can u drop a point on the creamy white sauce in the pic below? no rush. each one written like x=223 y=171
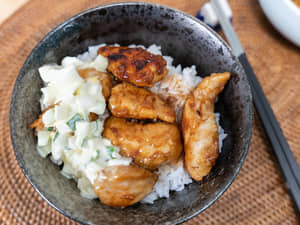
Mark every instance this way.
x=68 y=134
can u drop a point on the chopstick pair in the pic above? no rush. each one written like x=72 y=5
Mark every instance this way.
x=218 y=12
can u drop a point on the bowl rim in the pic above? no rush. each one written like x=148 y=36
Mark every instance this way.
x=286 y=24
x=105 y=6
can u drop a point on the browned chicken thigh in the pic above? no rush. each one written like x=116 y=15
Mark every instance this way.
x=134 y=65
x=199 y=127
x=104 y=79
x=122 y=185
x=128 y=101
x=150 y=145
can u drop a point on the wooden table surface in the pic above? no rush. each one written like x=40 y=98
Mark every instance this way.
x=8 y=7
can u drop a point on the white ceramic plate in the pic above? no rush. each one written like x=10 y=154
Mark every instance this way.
x=285 y=17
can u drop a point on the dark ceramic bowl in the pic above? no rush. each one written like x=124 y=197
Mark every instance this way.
x=181 y=36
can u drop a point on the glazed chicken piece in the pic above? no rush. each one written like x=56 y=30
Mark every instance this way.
x=150 y=145
x=199 y=127
x=122 y=185
x=128 y=101
x=104 y=79
x=134 y=65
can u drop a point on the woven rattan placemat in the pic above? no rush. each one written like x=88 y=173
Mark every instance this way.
x=257 y=196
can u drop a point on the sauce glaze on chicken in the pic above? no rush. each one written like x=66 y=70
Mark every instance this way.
x=199 y=127
x=128 y=101
x=150 y=145
x=134 y=65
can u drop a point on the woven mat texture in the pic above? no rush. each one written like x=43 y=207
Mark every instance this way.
x=257 y=196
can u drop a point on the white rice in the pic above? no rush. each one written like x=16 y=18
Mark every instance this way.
x=171 y=177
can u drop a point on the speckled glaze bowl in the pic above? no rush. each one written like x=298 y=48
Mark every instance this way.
x=181 y=36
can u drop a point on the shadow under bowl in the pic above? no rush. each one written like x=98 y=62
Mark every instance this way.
x=181 y=36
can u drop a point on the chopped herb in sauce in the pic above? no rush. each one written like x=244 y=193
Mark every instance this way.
x=72 y=122
x=51 y=128
x=84 y=142
x=67 y=148
x=97 y=125
x=98 y=155
x=111 y=150
x=55 y=136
